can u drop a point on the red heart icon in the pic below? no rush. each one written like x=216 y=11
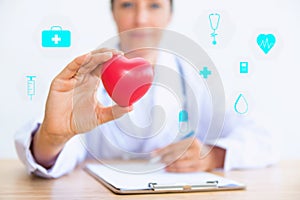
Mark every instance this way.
x=126 y=80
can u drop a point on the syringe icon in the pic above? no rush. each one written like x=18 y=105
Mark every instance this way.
x=30 y=86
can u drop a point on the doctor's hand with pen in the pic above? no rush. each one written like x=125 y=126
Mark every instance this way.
x=189 y=154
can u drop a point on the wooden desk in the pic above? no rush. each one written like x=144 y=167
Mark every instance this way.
x=278 y=182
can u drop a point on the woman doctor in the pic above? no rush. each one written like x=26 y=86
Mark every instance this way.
x=52 y=148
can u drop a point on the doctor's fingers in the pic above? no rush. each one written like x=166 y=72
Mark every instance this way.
x=175 y=147
x=97 y=71
x=71 y=69
x=175 y=150
x=86 y=63
x=185 y=166
x=93 y=62
x=103 y=50
x=94 y=65
x=106 y=114
x=186 y=154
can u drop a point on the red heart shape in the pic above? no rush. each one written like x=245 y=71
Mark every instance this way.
x=126 y=80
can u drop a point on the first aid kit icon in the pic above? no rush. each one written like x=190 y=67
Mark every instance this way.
x=56 y=37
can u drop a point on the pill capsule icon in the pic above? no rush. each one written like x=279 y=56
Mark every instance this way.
x=183 y=121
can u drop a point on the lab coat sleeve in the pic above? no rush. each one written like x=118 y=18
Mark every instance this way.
x=247 y=144
x=72 y=153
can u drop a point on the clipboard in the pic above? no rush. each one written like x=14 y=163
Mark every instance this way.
x=156 y=182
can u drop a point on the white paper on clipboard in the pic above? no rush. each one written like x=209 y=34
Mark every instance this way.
x=124 y=181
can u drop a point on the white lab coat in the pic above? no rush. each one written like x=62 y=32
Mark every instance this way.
x=246 y=144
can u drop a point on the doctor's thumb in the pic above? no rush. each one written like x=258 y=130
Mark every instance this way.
x=106 y=114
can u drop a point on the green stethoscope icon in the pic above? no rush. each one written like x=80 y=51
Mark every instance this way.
x=214 y=21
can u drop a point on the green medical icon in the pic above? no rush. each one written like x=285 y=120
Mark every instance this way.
x=205 y=72
x=30 y=86
x=56 y=37
x=243 y=67
x=214 y=21
x=266 y=42
x=241 y=104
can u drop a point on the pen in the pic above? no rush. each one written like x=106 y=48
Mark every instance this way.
x=190 y=134
x=157 y=159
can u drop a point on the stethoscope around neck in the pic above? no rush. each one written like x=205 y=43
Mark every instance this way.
x=183 y=116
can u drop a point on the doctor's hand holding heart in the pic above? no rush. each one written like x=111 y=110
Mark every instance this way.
x=72 y=106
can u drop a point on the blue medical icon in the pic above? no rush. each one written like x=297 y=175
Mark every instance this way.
x=30 y=86
x=183 y=121
x=205 y=72
x=56 y=37
x=214 y=21
x=243 y=67
x=266 y=42
x=241 y=104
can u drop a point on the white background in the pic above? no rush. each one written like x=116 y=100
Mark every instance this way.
x=272 y=85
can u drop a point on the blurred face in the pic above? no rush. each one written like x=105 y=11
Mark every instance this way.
x=138 y=14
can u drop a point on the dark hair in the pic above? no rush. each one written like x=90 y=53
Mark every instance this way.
x=112 y=3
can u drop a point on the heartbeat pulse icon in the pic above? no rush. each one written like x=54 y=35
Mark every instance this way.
x=266 y=42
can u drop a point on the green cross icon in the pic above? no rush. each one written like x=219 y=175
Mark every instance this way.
x=205 y=72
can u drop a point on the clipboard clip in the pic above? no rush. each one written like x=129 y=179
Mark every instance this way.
x=183 y=187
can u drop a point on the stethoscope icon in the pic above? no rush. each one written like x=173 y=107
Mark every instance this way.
x=214 y=20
